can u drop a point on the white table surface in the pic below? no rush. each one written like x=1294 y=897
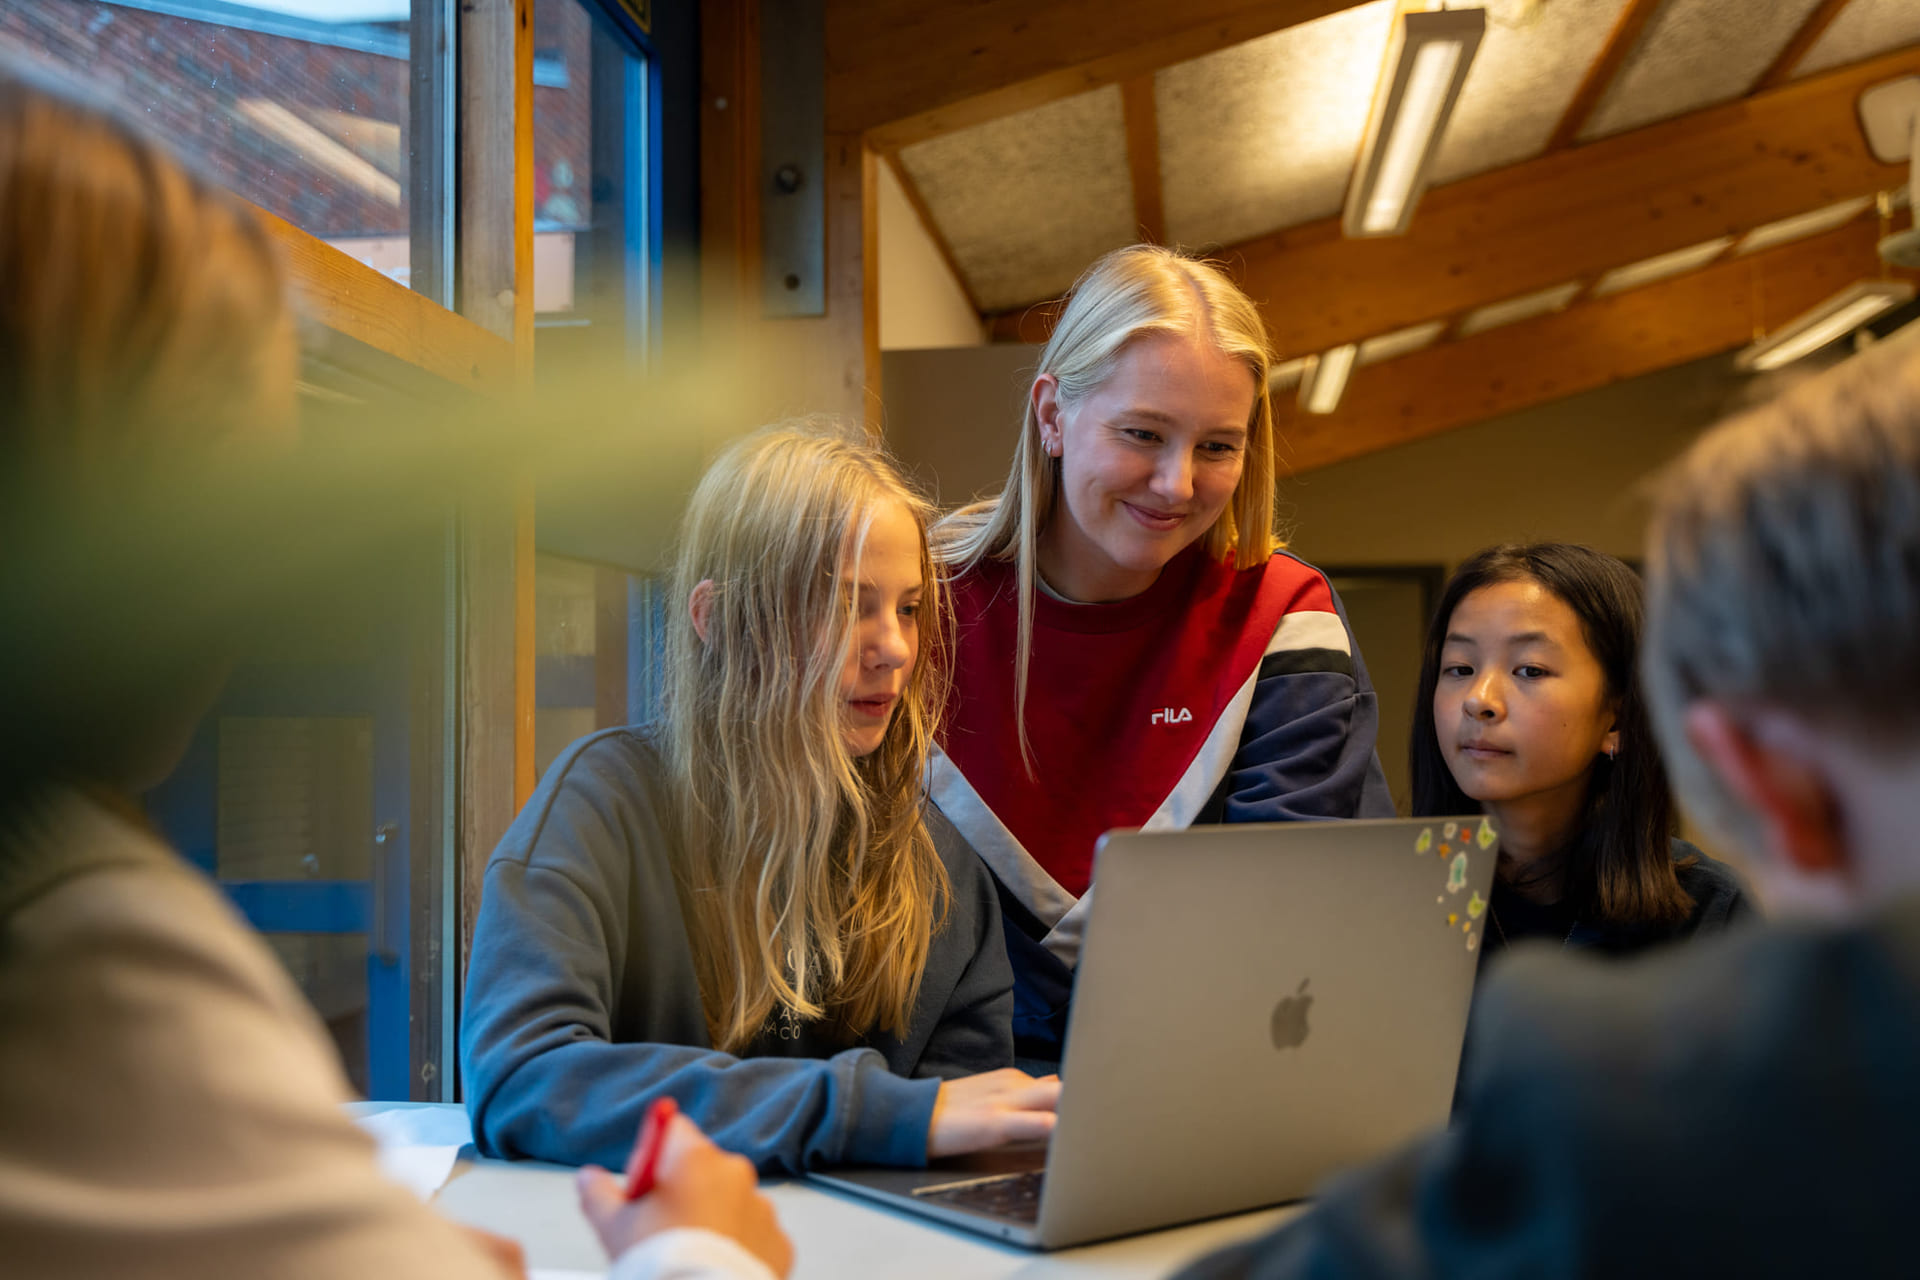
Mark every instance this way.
x=835 y=1236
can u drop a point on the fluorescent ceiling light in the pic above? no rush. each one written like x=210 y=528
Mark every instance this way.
x=1801 y=225
x=1836 y=317
x=1401 y=342
x=1321 y=389
x=1648 y=270
x=1287 y=373
x=1427 y=62
x=1524 y=307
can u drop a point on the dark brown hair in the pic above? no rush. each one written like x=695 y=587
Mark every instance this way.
x=1618 y=868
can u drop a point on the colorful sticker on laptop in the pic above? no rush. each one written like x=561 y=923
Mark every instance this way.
x=1473 y=942
x=1475 y=905
x=1457 y=873
x=1425 y=843
x=1453 y=918
x=1450 y=830
x=1486 y=836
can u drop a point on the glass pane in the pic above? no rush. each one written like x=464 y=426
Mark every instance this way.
x=332 y=969
x=296 y=797
x=595 y=641
x=592 y=124
x=300 y=106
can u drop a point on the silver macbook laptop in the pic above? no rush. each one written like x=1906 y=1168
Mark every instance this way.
x=1257 y=1006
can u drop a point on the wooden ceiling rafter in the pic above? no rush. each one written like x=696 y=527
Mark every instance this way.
x=1569 y=215
x=1621 y=42
x=1141 y=117
x=924 y=213
x=1589 y=345
x=903 y=71
x=1797 y=48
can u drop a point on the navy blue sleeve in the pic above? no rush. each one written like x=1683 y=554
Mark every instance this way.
x=1307 y=748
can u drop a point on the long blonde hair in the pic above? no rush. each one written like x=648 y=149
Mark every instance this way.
x=810 y=880
x=1128 y=294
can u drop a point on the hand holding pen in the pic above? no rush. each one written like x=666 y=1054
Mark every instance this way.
x=676 y=1177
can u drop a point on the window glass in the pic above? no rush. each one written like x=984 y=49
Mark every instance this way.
x=301 y=106
x=595 y=125
x=597 y=633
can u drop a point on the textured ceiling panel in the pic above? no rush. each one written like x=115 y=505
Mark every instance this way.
x=1529 y=67
x=1028 y=201
x=1263 y=135
x=1863 y=29
x=1514 y=310
x=1695 y=54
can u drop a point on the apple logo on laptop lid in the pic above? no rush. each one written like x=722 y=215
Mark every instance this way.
x=1290 y=1018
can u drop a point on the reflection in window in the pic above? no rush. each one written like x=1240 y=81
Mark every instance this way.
x=595 y=120
x=597 y=637
x=300 y=106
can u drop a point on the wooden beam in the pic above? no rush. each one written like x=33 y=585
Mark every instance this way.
x=1620 y=43
x=1804 y=39
x=902 y=71
x=493 y=552
x=352 y=298
x=911 y=189
x=1569 y=215
x=1141 y=116
x=1591 y=344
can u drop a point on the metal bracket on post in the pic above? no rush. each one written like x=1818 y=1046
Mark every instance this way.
x=793 y=158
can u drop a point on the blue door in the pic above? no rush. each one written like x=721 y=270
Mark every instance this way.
x=295 y=797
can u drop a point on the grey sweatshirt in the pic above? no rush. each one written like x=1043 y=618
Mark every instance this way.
x=582 y=1005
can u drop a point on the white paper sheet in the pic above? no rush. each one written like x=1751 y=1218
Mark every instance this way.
x=418 y=1145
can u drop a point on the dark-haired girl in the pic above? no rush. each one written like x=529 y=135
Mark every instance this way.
x=1529 y=710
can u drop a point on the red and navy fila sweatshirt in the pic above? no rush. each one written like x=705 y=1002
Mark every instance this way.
x=1217 y=695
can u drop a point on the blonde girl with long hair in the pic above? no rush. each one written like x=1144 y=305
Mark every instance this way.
x=1132 y=645
x=744 y=906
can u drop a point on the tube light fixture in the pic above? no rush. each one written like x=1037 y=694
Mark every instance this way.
x=1836 y=317
x=1426 y=64
x=1326 y=379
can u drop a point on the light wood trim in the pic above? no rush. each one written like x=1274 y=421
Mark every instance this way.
x=932 y=228
x=1803 y=40
x=1569 y=215
x=864 y=290
x=1141 y=116
x=525 y=643
x=1591 y=344
x=902 y=71
x=1620 y=44
x=350 y=297
x=729 y=168
x=494 y=286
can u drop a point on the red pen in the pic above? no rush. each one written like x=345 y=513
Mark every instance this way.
x=645 y=1160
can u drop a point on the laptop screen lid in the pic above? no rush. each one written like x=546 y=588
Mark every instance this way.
x=1258 y=1006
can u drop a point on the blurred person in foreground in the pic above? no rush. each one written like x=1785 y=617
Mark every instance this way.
x=169 y=1105
x=1744 y=1107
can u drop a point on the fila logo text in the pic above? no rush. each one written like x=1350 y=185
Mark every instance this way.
x=1172 y=715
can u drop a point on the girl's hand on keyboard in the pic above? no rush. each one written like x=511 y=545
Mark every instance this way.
x=993 y=1109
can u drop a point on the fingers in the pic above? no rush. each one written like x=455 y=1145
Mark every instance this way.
x=1041 y=1095
x=601 y=1195
x=1025 y=1126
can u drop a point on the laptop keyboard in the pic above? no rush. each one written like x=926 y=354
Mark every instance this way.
x=1009 y=1195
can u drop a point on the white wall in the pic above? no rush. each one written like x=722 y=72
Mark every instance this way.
x=921 y=304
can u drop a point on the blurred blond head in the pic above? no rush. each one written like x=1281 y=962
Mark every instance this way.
x=1784 y=572
x=142 y=310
